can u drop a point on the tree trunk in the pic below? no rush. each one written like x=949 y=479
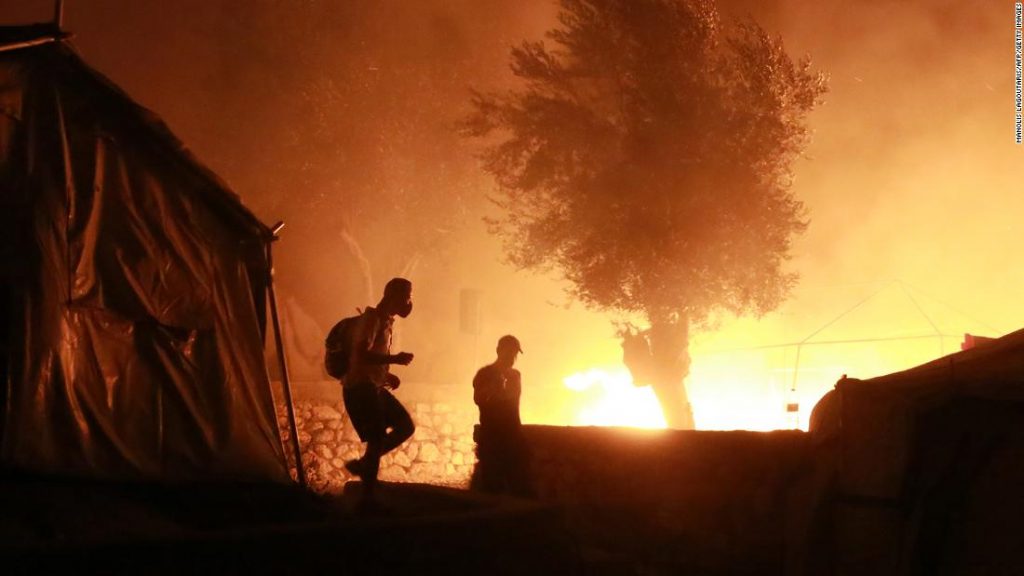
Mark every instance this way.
x=670 y=344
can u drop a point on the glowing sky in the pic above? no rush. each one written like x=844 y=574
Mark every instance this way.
x=912 y=182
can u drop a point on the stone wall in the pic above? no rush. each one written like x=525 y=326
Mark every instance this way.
x=740 y=503
x=440 y=452
x=676 y=501
x=702 y=502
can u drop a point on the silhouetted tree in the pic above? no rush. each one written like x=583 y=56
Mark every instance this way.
x=647 y=157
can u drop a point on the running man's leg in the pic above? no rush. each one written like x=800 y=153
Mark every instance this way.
x=364 y=410
x=397 y=423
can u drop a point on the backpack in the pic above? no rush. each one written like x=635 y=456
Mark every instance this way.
x=338 y=346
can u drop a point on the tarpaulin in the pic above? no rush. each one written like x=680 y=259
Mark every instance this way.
x=918 y=472
x=878 y=421
x=135 y=283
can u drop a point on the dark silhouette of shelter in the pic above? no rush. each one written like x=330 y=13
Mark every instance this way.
x=919 y=472
x=135 y=285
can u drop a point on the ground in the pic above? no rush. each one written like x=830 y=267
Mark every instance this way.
x=62 y=526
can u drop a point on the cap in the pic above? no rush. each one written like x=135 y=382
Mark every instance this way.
x=510 y=341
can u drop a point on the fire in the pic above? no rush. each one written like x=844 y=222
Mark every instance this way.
x=757 y=390
x=609 y=398
x=768 y=374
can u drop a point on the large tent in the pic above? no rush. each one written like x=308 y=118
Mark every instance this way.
x=134 y=286
x=919 y=471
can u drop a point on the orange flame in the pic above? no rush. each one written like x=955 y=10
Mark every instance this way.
x=608 y=398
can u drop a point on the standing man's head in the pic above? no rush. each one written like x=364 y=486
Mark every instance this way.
x=397 y=298
x=508 y=350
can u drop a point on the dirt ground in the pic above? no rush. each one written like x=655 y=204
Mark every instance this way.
x=83 y=527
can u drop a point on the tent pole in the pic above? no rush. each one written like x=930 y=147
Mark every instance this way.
x=285 y=382
x=58 y=14
x=34 y=42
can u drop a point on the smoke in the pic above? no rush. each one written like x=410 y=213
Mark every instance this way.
x=913 y=189
x=338 y=117
x=913 y=172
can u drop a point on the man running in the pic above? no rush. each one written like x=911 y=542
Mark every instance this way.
x=378 y=417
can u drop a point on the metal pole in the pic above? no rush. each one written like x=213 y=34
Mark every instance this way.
x=27 y=44
x=796 y=368
x=278 y=341
x=58 y=14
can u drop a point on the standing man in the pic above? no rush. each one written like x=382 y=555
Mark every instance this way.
x=378 y=417
x=502 y=462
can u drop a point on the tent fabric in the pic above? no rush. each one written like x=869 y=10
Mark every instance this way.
x=919 y=470
x=135 y=284
x=877 y=420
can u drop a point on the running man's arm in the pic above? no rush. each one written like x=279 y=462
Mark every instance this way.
x=367 y=333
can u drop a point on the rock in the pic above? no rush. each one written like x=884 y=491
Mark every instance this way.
x=349 y=434
x=422 y=408
x=305 y=438
x=446 y=429
x=442 y=407
x=336 y=424
x=324 y=412
x=401 y=460
x=324 y=452
x=324 y=470
x=336 y=485
x=323 y=437
x=434 y=471
x=394 y=474
x=314 y=426
x=338 y=463
x=458 y=459
x=412 y=450
x=449 y=469
x=447 y=443
x=428 y=453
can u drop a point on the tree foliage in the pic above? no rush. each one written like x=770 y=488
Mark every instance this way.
x=647 y=156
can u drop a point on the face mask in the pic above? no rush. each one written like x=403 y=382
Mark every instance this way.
x=405 y=309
